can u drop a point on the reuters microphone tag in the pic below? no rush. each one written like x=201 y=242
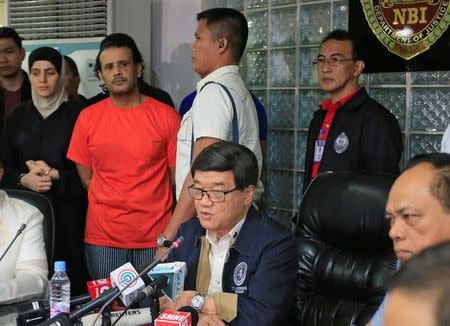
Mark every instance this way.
x=123 y=276
x=175 y=272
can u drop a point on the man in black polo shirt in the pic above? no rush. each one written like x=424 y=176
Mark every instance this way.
x=350 y=131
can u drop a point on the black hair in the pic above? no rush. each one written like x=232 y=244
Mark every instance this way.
x=437 y=160
x=228 y=23
x=440 y=184
x=227 y=156
x=119 y=40
x=72 y=65
x=342 y=35
x=8 y=32
x=428 y=272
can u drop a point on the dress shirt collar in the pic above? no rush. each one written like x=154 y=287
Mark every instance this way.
x=213 y=76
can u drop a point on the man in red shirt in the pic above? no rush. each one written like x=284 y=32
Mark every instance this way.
x=350 y=131
x=124 y=147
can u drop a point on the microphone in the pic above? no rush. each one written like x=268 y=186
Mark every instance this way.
x=97 y=287
x=34 y=311
x=175 y=272
x=19 y=231
x=185 y=316
x=110 y=295
x=99 y=294
x=153 y=288
x=104 y=297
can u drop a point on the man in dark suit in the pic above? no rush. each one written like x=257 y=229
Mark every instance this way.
x=240 y=263
x=350 y=131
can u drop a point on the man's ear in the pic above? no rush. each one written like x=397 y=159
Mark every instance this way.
x=248 y=194
x=1 y=173
x=140 y=70
x=100 y=76
x=359 y=68
x=222 y=44
x=22 y=54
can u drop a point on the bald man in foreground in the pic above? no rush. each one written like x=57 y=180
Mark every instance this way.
x=418 y=208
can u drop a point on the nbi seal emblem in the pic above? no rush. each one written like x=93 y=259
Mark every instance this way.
x=407 y=28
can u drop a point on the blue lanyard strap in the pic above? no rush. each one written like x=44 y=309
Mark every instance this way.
x=235 y=127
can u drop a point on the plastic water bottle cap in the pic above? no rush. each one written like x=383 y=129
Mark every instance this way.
x=60 y=266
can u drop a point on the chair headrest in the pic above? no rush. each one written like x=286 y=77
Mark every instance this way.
x=343 y=208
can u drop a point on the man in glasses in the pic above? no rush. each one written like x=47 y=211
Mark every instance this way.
x=350 y=131
x=241 y=264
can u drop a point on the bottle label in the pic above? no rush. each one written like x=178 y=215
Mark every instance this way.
x=59 y=308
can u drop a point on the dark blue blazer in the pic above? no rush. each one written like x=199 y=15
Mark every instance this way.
x=261 y=268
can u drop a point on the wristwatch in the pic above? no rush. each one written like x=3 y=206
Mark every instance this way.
x=198 y=302
x=162 y=241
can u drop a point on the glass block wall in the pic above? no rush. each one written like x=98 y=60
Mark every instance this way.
x=284 y=37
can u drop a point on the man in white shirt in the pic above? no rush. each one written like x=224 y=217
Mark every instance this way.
x=23 y=270
x=223 y=108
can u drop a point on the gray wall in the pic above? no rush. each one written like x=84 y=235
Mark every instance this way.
x=173 y=27
x=133 y=17
x=164 y=31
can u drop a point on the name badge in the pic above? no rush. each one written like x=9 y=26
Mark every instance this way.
x=318 y=150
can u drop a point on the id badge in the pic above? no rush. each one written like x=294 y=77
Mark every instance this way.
x=318 y=150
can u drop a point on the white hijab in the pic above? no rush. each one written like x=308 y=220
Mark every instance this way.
x=46 y=106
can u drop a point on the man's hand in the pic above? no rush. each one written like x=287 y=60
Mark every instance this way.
x=209 y=320
x=183 y=300
x=36 y=180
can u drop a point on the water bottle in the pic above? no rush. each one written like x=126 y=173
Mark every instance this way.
x=59 y=290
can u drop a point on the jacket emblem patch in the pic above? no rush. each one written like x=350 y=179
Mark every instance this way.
x=240 y=272
x=341 y=143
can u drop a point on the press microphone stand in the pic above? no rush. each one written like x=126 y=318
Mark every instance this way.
x=19 y=231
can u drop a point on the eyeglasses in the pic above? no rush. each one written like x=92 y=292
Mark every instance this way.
x=332 y=61
x=216 y=196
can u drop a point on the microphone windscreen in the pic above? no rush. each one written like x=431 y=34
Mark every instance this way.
x=193 y=312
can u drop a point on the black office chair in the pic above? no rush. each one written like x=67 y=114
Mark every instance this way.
x=344 y=251
x=45 y=207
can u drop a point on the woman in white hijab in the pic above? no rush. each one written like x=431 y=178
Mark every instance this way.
x=35 y=142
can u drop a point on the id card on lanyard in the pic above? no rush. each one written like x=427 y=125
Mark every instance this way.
x=319 y=146
x=318 y=150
